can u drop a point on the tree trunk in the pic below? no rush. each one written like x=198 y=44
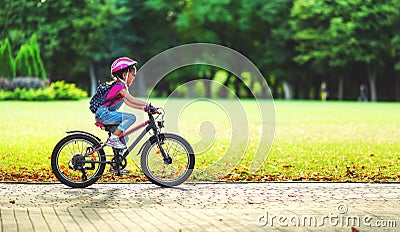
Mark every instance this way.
x=141 y=87
x=340 y=88
x=236 y=86
x=93 y=80
x=372 y=82
x=207 y=84
x=397 y=87
x=224 y=89
x=192 y=93
x=140 y=81
x=287 y=90
x=265 y=90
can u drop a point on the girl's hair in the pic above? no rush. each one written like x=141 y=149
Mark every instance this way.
x=113 y=81
x=118 y=74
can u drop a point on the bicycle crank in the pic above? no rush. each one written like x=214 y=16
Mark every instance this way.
x=118 y=163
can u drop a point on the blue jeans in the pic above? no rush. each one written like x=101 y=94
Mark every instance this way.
x=105 y=116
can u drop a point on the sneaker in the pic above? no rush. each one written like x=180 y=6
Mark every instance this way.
x=115 y=143
x=124 y=171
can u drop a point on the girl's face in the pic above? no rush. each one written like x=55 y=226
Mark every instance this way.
x=131 y=76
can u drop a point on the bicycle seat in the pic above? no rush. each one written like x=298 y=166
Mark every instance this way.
x=107 y=127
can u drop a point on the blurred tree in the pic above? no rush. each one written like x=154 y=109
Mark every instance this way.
x=209 y=21
x=373 y=30
x=151 y=31
x=28 y=62
x=89 y=28
x=266 y=24
x=396 y=56
x=100 y=34
x=80 y=39
x=38 y=69
x=342 y=32
x=7 y=60
x=19 y=20
x=216 y=21
x=23 y=62
x=322 y=32
x=395 y=50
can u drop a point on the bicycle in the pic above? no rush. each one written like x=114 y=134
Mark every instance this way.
x=79 y=160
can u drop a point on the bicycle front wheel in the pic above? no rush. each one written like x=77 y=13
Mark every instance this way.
x=174 y=173
x=71 y=163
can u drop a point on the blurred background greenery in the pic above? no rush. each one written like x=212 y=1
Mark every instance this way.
x=296 y=44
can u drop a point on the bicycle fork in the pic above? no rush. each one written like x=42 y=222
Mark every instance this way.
x=167 y=159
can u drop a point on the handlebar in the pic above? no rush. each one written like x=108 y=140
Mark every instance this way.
x=158 y=111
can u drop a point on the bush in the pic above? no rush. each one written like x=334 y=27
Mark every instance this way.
x=56 y=91
x=7 y=95
x=67 y=91
x=5 y=84
x=26 y=83
x=35 y=94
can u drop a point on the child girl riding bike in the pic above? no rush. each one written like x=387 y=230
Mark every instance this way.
x=79 y=160
x=123 y=70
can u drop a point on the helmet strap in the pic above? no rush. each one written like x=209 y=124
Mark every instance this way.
x=122 y=80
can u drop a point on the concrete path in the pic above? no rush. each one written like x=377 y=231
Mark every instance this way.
x=224 y=207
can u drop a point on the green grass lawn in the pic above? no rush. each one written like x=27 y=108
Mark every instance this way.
x=322 y=141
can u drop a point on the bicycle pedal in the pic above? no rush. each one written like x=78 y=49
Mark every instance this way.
x=120 y=172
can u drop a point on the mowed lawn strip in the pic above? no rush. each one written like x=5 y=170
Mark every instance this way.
x=317 y=141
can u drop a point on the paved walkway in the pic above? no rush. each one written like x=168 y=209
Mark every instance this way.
x=201 y=207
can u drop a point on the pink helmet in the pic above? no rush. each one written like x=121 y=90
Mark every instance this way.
x=122 y=63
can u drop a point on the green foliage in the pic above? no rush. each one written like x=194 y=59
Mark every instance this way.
x=191 y=18
x=28 y=60
x=268 y=24
x=23 y=62
x=39 y=70
x=335 y=35
x=45 y=94
x=67 y=91
x=56 y=91
x=7 y=95
x=104 y=20
x=338 y=33
x=395 y=46
x=7 y=60
x=295 y=41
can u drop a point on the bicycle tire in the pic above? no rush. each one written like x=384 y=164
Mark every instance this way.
x=68 y=149
x=185 y=155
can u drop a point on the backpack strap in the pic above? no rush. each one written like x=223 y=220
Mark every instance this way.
x=111 y=101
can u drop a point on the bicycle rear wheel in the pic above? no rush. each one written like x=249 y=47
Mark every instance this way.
x=72 y=166
x=175 y=173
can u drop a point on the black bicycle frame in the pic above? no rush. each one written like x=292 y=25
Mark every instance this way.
x=139 y=138
x=150 y=125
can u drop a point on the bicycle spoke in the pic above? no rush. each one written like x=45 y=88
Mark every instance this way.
x=168 y=171
x=69 y=148
x=75 y=152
